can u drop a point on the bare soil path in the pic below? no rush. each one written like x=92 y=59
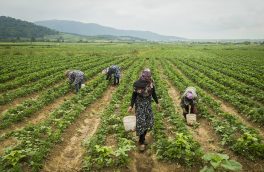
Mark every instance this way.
x=17 y=101
x=41 y=114
x=227 y=107
x=201 y=135
x=147 y=161
x=21 y=99
x=68 y=155
x=38 y=116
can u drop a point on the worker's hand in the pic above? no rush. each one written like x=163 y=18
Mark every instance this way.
x=159 y=107
x=129 y=109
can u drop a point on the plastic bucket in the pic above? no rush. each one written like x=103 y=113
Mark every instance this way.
x=191 y=118
x=129 y=123
x=83 y=85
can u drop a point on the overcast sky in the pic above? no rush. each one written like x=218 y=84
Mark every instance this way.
x=207 y=19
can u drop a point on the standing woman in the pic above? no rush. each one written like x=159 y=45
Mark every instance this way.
x=144 y=91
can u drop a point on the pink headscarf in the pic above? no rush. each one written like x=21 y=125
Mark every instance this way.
x=189 y=95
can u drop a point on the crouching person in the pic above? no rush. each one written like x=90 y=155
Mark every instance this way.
x=189 y=99
x=76 y=78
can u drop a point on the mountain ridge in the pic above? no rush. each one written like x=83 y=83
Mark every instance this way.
x=94 y=29
x=17 y=30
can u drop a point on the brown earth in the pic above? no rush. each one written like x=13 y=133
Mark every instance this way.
x=20 y=100
x=203 y=134
x=67 y=156
x=39 y=116
x=42 y=113
x=7 y=143
x=147 y=161
x=16 y=102
x=254 y=166
x=226 y=107
x=111 y=141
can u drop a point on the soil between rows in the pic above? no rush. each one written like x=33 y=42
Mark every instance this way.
x=67 y=156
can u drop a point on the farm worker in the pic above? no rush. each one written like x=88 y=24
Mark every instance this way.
x=113 y=70
x=189 y=99
x=144 y=91
x=76 y=78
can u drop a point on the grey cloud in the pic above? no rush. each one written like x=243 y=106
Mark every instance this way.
x=189 y=18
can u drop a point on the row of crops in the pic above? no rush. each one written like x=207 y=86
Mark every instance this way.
x=220 y=76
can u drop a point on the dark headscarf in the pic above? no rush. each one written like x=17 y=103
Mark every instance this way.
x=145 y=82
x=146 y=75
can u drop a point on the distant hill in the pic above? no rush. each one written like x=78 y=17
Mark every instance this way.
x=12 y=29
x=92 y=29
x=15 y=28
x=70 y=37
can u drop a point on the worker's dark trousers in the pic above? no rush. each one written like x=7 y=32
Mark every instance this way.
x=186 y=110
x=108 y=77
x=142 y=138
x=78 y=86
x=116 y=80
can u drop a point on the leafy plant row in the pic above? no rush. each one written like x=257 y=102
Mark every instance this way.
x=29 y=107
x=226 y=81
x=23 y=62
x=32 y=68
x=244 y=105
x=42 y=83
x=34 y=142
x=234 y=134
x=30 y=78
x=249 y=59
x=235 y=71
x=181 y=148
x=98 y=155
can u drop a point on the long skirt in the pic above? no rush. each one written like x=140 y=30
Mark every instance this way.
x=144 y=114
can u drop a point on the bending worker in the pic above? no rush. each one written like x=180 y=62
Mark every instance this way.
x=113 y=70
x=76 y=78
x=189 y=101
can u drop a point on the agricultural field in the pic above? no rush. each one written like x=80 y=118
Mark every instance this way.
x=45 y=126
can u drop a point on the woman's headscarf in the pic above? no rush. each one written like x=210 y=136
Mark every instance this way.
x=145 y=79
x=146 y=75
x=190 y=93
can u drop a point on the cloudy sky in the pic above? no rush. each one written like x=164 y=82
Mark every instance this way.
x=197 y=19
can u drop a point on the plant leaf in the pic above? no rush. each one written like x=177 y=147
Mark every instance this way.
x=215 y=164
x=231 y=165
x=206 y=169
x=208 y=156
x=223 y=156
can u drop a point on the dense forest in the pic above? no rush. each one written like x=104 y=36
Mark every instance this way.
x=11 y=28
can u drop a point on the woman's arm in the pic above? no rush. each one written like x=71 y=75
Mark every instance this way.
x=154 y=95
x=133 y=98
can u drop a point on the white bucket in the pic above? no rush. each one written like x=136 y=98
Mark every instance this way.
x=129 y=123
x=191 y=119
x=83 y=85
